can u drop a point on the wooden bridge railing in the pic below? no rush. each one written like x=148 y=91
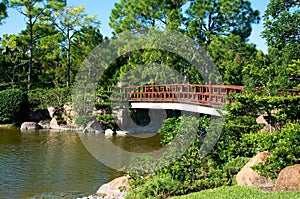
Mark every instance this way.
x=206 y=95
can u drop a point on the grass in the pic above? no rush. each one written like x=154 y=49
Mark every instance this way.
x=239 y=192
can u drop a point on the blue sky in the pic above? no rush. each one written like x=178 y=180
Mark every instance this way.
x=15 y=23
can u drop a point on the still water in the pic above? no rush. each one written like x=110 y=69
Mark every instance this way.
x=48 y=163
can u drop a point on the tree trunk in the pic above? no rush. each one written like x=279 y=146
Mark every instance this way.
x=30 y=53
x=68 y=60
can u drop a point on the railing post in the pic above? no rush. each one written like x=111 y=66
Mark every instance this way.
x=210 y=91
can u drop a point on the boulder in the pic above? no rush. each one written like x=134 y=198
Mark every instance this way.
x=261 y=120
x=288 y=179
x=51 y=111
x=248 y=177
x=109 y=132
x=45 y=124
x=267 y=127
x=54 y=124
x=30 y=126
x=117 y=188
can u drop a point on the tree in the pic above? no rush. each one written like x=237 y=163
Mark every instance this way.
x=35 y=11
x=281 y=23
x=135 y=14
x=69 y=21
x=14 y=61
x=3 y=10
x=86 y=39
x=231 y=55
x=207 y=18
x=49 y=54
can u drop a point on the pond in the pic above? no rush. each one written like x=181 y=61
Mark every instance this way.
x=54 y=163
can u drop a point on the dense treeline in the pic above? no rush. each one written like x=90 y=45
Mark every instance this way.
x=48 y=52
x=58 y=38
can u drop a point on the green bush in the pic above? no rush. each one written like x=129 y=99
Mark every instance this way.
x=107 y=120
x=284 y=148
x=43 y=98
x=156 y=187
x=238 y=143
x=84 y=119
x=13 y=106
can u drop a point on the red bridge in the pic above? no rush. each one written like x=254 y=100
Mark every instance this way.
x=207 y=99
x=204 y=95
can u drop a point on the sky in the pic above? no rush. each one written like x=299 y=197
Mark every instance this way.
x=15 y=23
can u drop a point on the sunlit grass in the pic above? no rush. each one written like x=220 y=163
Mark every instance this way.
x=239 y=192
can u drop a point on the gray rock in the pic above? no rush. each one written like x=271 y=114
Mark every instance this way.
x=54 y=124
x=45 y=124
x=30 y=126
x=109 y=132
x=93 y=197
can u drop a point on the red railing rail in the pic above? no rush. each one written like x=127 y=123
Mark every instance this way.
x=206 y=95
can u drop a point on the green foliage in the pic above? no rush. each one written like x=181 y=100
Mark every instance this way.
x=279 y=109
x=284 y=148
x=169 y=130
x=107 y=120
x=84 y=119
x=134 y=14
x=236 y=145
x=43 y=98
x=35 y=13
x=13 y=107
x=281 y=31
x=209 y=18
x=156 y=187
x=69 y=21
x=231 y=54
x=3 y=11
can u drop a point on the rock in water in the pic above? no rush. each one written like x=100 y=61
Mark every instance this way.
x=288 y=179
x=54 y=124
x=30 y=126
x=248 y=177
x=109 y=132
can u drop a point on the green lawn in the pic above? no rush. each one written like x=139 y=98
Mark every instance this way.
x=238 y=192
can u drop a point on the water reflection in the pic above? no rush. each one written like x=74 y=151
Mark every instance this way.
x=40 y=162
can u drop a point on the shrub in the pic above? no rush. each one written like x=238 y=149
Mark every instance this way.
x=156 y=187
x=107 y=120
x=284 y=148
x=13 y=106
x=84 y=120
x=43 y=98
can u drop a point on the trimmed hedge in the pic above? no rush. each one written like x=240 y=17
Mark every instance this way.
x=13 y=106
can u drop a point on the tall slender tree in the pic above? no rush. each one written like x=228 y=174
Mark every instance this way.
x=35 y=11
x=69 y=21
